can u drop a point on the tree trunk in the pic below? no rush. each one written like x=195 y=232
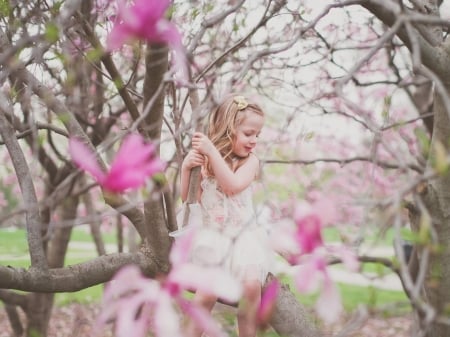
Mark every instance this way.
x=38 y=314
x=14 y=319
x=290 y=318
x=437 y=200
x=40 y=305
x=157 y=238
x=94 y=224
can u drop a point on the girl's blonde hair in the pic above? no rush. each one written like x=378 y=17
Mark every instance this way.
x=223 y=122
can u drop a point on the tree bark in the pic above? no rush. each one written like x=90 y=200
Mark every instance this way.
x=437 y=201
x=290 y=318
x=74 y=277
x=432 y=51
x=14 y=319
x=28 y=193
x=40 y=305
x=156 y=239
x=95 y=225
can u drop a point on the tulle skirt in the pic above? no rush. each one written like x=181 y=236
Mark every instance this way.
x=246 y=255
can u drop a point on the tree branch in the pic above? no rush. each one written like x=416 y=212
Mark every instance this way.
x=72 y=125
x=343 y=161
x=74 y=277
x=13 y=298
x=111 y=68
x=14 y=319
x=33 y=219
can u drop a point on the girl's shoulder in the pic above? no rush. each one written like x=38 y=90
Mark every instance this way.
x=257 y=166
x=250 y=160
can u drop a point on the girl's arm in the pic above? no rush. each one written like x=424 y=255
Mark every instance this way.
x=230 y=182
x=192 y=159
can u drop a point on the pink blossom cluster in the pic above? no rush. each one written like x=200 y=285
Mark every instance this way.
x=299 y=240
x=134 y=163
x=138 y=304
x=144 y=20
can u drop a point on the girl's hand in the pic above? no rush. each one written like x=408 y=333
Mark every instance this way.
x=202 y=144
x=193 y=159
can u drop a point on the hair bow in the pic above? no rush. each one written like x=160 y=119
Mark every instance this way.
x=241 y=102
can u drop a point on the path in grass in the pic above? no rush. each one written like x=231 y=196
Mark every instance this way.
x=377 y=277
x=382 y=279
x=376 y=288
x=375 y=285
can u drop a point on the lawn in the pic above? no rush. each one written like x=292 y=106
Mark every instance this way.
x=13 y=251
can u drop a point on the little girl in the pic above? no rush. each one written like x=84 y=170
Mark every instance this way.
x=229 y=236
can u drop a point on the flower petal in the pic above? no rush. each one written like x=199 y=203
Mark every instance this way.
x=214 y=281
x=133 y=318
x=133 y=164
x=267 y=304
x=140 y=20
x=328 y=305
x=202 y=318
x=307 y=277
x=179 y=253
x=117 y=37
x=282 y=238
x=129 y=299
x=166 y=321
x=85 y=159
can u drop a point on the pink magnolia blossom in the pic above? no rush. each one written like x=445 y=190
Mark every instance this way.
x=324 y=205
x=137 y=303
x=144 y=20
x=309 y=277
x=267 y=304
x=309 y=234
x=134 y=163
x=300 y=241
x=303 y=236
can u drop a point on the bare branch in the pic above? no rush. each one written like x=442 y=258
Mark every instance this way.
x=74 y=277
x=343 y=161
x=33 y=219
x=13 y=298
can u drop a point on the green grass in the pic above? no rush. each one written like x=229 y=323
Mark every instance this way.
x=388 y=302
x=333 y=235
x=375 y=268
x=13 y=243
x=85 y=296
x=85 y=236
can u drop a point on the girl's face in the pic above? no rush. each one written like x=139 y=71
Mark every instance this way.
x=247 y=133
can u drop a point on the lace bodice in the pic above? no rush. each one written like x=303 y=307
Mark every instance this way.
x=229 y=214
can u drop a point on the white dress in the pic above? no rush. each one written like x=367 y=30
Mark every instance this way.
x=230 y=236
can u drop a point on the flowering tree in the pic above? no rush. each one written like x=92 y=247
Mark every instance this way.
x=356 y=89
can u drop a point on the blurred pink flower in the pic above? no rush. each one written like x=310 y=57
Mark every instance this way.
x=299 y=240
x=134 y=163
x=293 y=239
x=138 y=303
x=309 y=232
x=267 y=304
x=144 y=20
x=325 y=206
x=309 y=276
